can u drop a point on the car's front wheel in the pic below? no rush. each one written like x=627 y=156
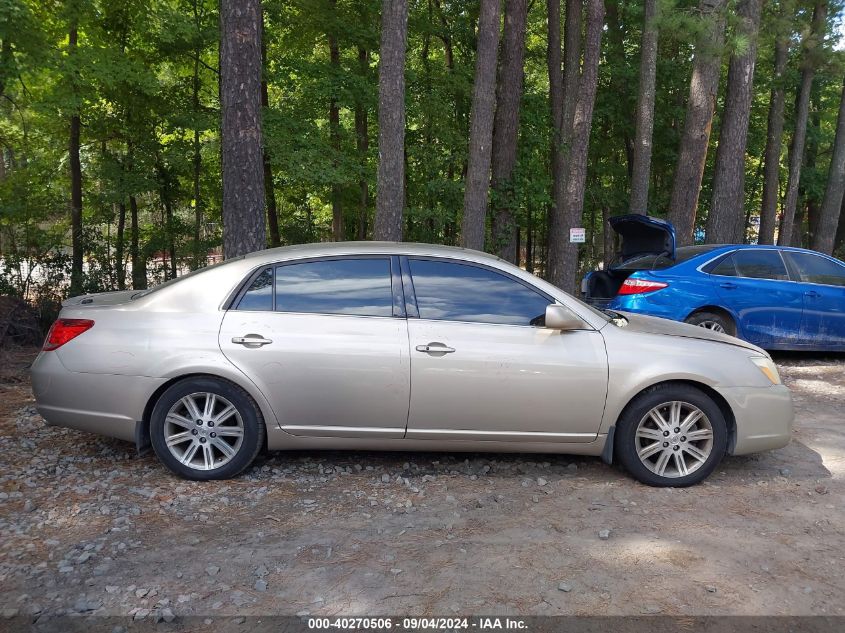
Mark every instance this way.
x=671 y=435
x=206 y=428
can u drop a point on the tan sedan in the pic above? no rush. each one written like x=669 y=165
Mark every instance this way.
x=384 y=346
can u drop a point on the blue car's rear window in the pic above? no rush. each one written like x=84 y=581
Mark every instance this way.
x=659 y=262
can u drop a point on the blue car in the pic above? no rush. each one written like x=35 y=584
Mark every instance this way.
x=776 y=297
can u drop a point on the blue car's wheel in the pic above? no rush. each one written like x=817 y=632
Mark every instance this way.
x=716 y=321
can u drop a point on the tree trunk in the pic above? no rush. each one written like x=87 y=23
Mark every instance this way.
x=120 y=246
x=571 y=68
x=362 y=142
x=269 y=185
x=240 y=105
x=199 y=257
x=823 y=238
x=692 y=153
x=334 y=137
x=390 y=180
x=138 y=258
x=799 y=136
x=726 y=220
x=553 y=61
x=645 y=109
x=616 y=62
x=506 y=129
x=563 y=92
x=481 y=127
x=563 y=255
x=840 y=230
x=76 y=274
x=808 y=201
x=774 y=138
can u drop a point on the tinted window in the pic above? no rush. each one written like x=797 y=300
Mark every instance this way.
x=725 y=267
x=259 y=296
x=661 y=262
x=762 y=264
x=459 y=292
x=818 y=270
x=336 y=286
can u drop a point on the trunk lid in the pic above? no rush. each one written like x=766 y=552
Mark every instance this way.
x=100 y=299
x=642 y=236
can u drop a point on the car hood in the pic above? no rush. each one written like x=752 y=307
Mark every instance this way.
x=643 y=235
x=101 y=298
x=655 y=325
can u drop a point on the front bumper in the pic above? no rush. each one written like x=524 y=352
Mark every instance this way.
x=764 y=417
x=106 y=404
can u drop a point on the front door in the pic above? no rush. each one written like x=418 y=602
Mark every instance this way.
x=484 y=368
x=326 y=343
x=822 y=281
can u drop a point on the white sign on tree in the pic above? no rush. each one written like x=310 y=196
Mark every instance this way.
x=577 y=235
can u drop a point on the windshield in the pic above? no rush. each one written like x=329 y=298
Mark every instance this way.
x=651 y=261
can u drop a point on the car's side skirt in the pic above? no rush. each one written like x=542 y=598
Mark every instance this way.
x=284 y=441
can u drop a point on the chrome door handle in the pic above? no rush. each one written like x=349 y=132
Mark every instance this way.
x=435 y=348
x=251 y=340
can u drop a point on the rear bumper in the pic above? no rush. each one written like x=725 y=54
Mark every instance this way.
x=105 y=404
x=764 y=417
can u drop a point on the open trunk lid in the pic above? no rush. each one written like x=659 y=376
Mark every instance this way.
x=642 y=236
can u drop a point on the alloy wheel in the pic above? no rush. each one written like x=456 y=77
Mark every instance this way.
x=712 y=325
x=674 y=439
x=203 y=431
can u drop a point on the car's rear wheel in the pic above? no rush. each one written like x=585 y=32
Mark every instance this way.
x=206 y=428
x=671 y=435
x=715 y=321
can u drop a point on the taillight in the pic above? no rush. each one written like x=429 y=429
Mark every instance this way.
x=65 y=330
x=639 y=286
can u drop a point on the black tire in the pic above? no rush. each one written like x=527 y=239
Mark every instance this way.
x=245 y=450
x=706 y=319
x=627 y=444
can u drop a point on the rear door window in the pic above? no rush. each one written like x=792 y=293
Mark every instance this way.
x=817 y=270
x=359 y=287
x=760 y=264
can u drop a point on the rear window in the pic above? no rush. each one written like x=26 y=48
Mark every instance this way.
x=659 y=262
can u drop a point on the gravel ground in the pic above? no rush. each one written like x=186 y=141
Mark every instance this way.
x=88 y=527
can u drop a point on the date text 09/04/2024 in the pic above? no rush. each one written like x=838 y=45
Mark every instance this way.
x=417 y=624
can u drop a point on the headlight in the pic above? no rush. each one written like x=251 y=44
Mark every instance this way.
x=768 y=367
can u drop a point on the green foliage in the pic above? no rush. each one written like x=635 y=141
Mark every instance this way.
x=145 y=83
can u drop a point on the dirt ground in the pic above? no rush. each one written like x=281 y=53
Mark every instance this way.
x=88 y=527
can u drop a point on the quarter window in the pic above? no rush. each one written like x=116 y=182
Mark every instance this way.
x=759 y=264
x=259 y=295
x=725 y=267
x=459 y=292
x=336 y=286
x=817 y=270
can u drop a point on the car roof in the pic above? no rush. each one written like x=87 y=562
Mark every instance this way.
x=795 y=249
x=320 y=249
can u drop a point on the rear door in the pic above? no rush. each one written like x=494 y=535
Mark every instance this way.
x=754 y=284
x=822 y=281
x=483 y=367
x=326 y=341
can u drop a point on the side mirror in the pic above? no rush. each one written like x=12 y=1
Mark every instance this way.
x=560 y=317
